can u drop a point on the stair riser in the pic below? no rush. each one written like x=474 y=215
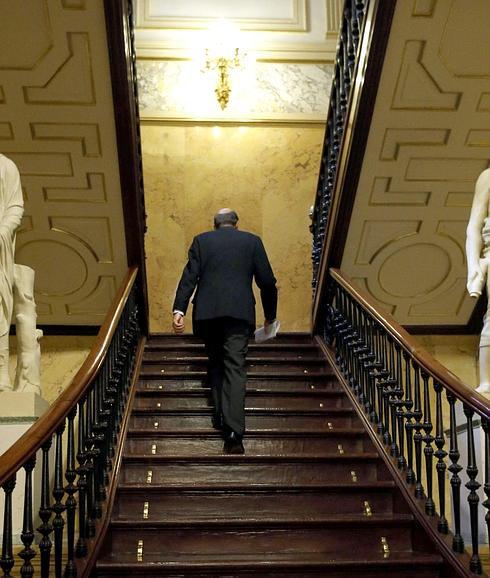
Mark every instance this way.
x=262 y=422
x=288 y=352
x=250 y=473
x=347 y=572
x=261 y=446
x=265 y=385
x=274 y=401
x=169 y=541
x=164 y=506
x=162 y=368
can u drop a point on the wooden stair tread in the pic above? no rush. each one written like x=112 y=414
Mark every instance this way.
x=251 y=559
x=254 y=458
x=146 y=373
x=198 y=392
x=259 y=433
x=263 y=488
x=282 y=520
x=276 y=411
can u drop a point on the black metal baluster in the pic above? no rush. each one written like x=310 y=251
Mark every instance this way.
x=486 y=487
x=440 y=454
x=417 y=436
x=392 y=402
x=81 y=548
x=58 y=507
x=90 y=463
x=410 y=477
x=428 y=438
x=27 y=535
x=45 y=513
x=455 y=468
x=399 y=404
x=472 y=485
x=382 y=375
x=7 y=560
x=71 y=503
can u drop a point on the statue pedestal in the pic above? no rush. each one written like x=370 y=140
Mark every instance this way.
x=18 y=411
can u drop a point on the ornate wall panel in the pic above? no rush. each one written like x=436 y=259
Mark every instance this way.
x=57 y=125
x=428 y=142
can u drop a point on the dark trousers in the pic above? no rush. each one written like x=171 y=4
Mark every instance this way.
x=226 y=342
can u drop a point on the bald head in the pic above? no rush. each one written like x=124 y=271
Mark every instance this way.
x=225 y=218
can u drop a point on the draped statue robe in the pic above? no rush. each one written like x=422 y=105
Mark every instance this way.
x=11 y=210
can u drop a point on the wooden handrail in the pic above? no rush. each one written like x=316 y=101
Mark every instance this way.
x=462 y=391
x=42 y=430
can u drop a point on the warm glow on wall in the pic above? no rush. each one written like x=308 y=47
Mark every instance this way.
x=221 y=75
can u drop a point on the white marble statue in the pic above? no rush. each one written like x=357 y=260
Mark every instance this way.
x=16 y=291
x=28 y=370
x=11 y=210
x=478 y=258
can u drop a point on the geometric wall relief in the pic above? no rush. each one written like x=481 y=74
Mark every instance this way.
x=484 y=103
x=93 y=232
x=396 y=138
x=57 y=125
x=87 y=134
x=72 y=82
x=427 y=144
x=94 y=191
x=436 y=169
x=379 y=235
x=423 y=8
x=416 y=87
x=6 y=131
x=23 y=49
x=383 y=192
x=478 y=138
x=73 y=4
x=463 y=44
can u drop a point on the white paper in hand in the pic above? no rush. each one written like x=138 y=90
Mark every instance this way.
x=263 y=334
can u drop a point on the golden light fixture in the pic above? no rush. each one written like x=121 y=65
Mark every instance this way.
x=223 y=55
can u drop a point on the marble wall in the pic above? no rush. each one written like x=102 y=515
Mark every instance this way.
x=268 y=174
x=61 y=357
x=181 y=89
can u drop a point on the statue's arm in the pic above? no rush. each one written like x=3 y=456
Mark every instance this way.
x=474 y=240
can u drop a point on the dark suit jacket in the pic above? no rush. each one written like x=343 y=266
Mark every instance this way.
x=222 y=263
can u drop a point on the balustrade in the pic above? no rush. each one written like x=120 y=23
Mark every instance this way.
x=417 y=408
x=342 y=87
x=75 y=447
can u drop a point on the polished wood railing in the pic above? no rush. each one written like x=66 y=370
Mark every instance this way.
x=360 y=53
x=70 y=456
x=417 y=412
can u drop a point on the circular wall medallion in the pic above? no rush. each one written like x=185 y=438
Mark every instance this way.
x=60 y=269
x=415 y=270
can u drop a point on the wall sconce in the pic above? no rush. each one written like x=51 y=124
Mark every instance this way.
x=223 y=55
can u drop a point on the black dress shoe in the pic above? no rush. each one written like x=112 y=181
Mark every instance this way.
x=233 y=444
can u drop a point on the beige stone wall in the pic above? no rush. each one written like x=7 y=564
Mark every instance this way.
x=61 y=357
x=268 y=174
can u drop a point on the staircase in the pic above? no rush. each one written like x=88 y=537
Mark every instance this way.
x=310 y=497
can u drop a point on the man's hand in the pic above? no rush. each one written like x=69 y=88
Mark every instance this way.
x=178 y=323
